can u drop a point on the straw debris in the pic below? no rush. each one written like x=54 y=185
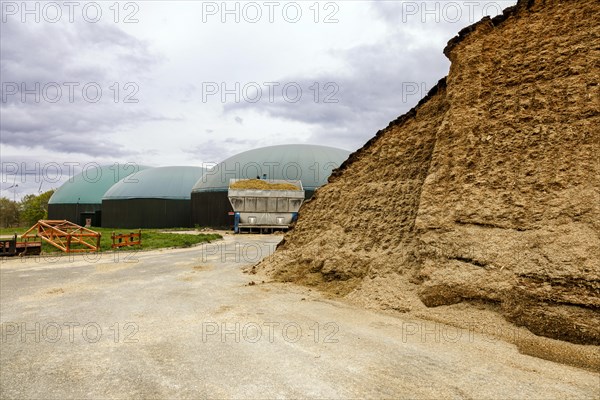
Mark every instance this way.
x=260 y=184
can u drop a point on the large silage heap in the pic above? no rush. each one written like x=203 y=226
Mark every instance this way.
x=310 y=164
x=481 y=203
x=153 y=198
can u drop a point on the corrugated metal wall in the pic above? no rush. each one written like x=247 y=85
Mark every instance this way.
x=210 y=209
x=206 y=209
x=146 y=213
x=71 y=212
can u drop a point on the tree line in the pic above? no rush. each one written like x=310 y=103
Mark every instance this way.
x=25 y=212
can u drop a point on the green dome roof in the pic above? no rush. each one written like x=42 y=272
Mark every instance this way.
x=157 y=183
x=311 y=164
x=89 y=186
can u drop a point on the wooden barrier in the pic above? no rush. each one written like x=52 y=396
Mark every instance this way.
x=127 y=239
x=65 y=235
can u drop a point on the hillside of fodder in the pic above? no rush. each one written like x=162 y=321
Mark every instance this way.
x=484 y=200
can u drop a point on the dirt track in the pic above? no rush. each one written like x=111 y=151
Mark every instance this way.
x=187 y=324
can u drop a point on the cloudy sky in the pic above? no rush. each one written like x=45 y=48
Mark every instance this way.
x=192 y=82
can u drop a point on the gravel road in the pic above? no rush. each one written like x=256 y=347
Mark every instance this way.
x=187 y=323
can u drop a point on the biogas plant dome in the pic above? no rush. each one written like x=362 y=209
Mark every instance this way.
x=152 y=198
x=91 y=184
x=156 y=183
x=312 y=164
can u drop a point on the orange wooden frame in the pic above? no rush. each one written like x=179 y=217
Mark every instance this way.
x=63 y=235
x=127 y=239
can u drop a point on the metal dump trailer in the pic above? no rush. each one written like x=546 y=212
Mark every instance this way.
x=11 y=246
x=260 y=210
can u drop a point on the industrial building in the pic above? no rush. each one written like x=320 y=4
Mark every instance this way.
x=152 y=198
x=311 y=164
x=79 y=199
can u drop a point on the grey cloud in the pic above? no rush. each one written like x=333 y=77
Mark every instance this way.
x=450 y=16
x=24 y=174
x=380 y=81
x=47 y=53
x=209 y=151
x=212 y=151
x=64 y=129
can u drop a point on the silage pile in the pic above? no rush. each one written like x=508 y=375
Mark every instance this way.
x=484 y=200
x=260 y=184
